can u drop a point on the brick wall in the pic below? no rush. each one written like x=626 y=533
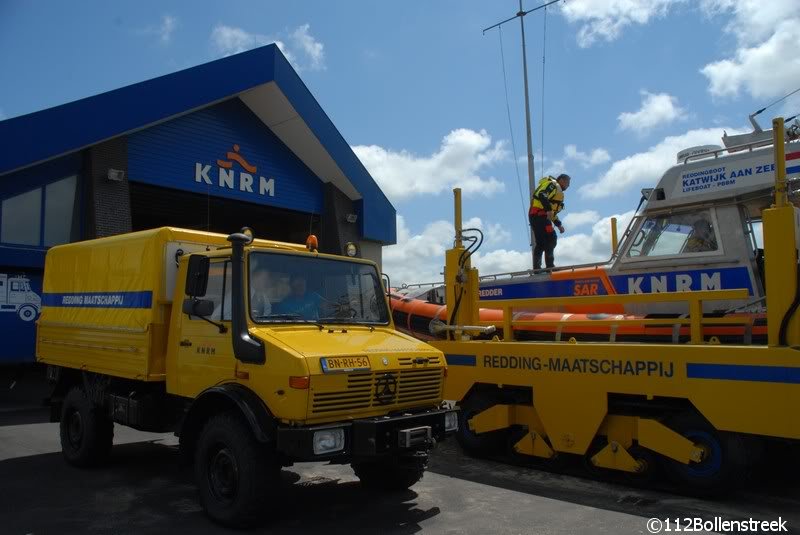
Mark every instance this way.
x=110 y=201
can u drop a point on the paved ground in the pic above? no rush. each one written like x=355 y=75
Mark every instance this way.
x=146 y=490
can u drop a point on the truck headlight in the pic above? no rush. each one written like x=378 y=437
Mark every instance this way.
x=451 y=421
x=328 y=440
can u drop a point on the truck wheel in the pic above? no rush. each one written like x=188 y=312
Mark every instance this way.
x=724 y=466
x=392 y=474
x=233 y=472
x=478 y=444
x=86 y=433
x=27 y=312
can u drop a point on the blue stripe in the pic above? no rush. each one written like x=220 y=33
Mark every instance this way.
x=460 y=360
x=737 y=372
x=142 y=299
x=793 y=169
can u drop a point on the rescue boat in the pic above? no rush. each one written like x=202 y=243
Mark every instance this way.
x=698 y=229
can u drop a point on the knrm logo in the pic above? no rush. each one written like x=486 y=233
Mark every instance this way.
x=228 y=178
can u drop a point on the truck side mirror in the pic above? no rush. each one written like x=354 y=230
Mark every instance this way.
x=197 y=276
x=198 y=307
x=387 y=284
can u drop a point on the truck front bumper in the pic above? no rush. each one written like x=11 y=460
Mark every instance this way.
x=368 y=437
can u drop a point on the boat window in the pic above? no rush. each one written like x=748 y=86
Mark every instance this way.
x=675 y=234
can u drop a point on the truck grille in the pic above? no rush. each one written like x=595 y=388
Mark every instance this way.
x=381 y=390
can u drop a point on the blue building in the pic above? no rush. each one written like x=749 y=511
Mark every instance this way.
x=236 y=142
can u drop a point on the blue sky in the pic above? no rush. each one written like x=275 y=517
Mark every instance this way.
x=417 y=90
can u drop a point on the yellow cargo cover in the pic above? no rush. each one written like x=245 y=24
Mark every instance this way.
x=106 y=302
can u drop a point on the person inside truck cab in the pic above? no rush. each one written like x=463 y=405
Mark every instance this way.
x=260 y=304
x=702 y=238
x=300 y=301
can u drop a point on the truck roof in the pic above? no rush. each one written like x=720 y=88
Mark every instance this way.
x=180 y=235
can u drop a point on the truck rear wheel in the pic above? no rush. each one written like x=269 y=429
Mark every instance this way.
x=393 y=473
x=724 y=466
x=233 y=472
x=86 y=433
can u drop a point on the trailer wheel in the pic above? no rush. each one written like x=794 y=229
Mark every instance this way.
x=392 y=474
x=27 y=312
x=86 y=433
x=234 y=472
x=724 y=466
x=478 y=444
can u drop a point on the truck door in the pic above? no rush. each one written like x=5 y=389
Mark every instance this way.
x=205 y=356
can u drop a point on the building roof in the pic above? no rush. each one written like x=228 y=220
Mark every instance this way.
x=262 y=78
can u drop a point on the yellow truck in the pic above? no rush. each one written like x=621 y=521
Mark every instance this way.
x=257 y=354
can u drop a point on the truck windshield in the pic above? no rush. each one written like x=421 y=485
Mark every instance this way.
x=286 y=288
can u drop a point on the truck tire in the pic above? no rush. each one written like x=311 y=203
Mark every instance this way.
x=725 y=466
x=87 y=434
x=391 y=474
x=234 y=472
x=483 y=444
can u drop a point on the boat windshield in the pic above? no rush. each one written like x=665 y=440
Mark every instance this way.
x=290 y=288
x=675 y=234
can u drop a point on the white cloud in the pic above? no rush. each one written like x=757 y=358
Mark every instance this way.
x=605 y=19
x=420 y=257
x=302 y=38
x=163 y=31
x=656 y=110
x=303 y=51
x=645 y=168
x=586 y=160
x=583 y=248
x=765 y=63
x=573 y=155
x=576 y=219
x=462 y=155
x=168 y=25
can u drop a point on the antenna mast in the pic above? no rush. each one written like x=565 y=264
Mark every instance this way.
x=521 y=15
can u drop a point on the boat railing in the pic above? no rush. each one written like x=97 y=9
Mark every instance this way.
x=735 y=148
x=695 y=319
x=421 y=285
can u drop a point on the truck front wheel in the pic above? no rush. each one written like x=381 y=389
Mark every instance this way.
x=86 y=433
x=393 y=473
x=234 y=472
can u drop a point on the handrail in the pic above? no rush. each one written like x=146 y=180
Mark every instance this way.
x=694 y=299
x=736 y=148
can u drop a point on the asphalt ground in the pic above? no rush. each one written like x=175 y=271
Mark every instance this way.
x=146 y=489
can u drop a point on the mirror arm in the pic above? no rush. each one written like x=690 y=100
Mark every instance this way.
x=221 y=326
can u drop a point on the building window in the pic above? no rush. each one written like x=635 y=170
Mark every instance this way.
x=21 y=221
x=44 y=216
x=60 y=212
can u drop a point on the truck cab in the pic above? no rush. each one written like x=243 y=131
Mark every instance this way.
x=257 y=354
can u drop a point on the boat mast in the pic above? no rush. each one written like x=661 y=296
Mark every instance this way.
x=521 y=15
x=531 y=180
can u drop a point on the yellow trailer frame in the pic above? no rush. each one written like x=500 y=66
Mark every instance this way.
x=569 y=390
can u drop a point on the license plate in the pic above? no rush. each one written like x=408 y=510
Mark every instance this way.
x=344 y=364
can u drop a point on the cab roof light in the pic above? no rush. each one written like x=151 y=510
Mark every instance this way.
x=312 y=243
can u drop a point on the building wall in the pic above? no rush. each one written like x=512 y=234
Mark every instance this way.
x=226 y=151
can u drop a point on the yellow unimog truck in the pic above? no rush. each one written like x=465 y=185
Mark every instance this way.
x=257 y=354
